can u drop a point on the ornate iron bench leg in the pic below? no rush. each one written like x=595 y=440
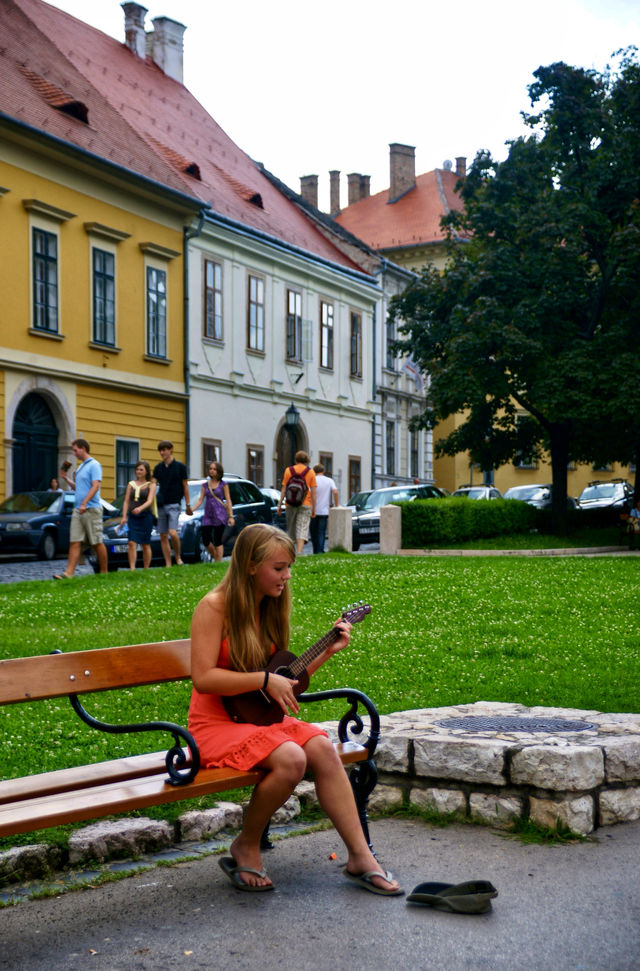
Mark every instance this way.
x=363 y=779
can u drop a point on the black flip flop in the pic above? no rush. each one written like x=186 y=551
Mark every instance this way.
x=471 y=897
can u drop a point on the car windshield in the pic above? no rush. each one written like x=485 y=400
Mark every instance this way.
x=359 y=500
x=478 y=493
x=525 y=492
x=606 y=491
x=32 y=502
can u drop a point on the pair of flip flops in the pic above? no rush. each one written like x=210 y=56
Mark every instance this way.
x=471 y=897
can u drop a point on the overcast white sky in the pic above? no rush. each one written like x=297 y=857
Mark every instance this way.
x=307 y=87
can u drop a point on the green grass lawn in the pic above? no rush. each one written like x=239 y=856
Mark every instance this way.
x=559 y=631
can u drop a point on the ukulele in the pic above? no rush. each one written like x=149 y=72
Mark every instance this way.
x=257 y=707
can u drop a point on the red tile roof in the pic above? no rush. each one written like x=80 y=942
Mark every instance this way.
x=413 y=220
x=138 y=117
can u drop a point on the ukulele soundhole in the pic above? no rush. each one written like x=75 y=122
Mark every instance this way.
x=285 y=672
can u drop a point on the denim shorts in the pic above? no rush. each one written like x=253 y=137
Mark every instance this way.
x=168 y=517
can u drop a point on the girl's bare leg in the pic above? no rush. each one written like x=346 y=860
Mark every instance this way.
x=132 y=553
x=335 y=795
x=218 y=552
x=287 y=765
x=146 y=556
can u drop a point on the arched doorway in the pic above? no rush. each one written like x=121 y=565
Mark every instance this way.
x=35 y=444
x=289 y=440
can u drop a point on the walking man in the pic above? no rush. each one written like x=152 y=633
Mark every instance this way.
x=172 y=484
x=86 y=519
x=326 y=496
x=300 y=509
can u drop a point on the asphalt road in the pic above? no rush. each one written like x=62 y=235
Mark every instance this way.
x=560 y=908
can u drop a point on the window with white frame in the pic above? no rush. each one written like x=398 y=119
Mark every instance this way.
x=45 y=280
x=255 y=314
x=414 y=453
x=326 y=335
x=127 y=453
x=390 y=332
x=213 y=300
x=294 y=325
x=156 y=312
x=103 y=267
x=390 y=444
x=356 y=345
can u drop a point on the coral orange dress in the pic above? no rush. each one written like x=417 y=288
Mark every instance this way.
x=223 y=742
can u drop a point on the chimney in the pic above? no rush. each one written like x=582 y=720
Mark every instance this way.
x=402 y=164
x=334 y=192
x=134 y=35
x=461 y=166
x=165 y=44
x=309 y=189
x=359 y=187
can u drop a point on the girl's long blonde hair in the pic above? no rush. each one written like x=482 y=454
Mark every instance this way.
x=250 y=646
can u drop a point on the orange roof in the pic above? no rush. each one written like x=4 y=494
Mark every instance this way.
x=413 y=220
x=54 y=69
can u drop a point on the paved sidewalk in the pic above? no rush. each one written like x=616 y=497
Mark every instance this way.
x=562 y=907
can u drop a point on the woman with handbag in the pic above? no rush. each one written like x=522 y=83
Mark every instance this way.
x=139 y=509
x=218 y=511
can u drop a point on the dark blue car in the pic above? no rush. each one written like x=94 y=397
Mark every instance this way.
x=38 y=522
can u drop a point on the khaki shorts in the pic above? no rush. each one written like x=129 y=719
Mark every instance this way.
x=298 y=520
x=86 y=527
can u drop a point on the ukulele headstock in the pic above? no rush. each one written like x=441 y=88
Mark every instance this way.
x=356 y=613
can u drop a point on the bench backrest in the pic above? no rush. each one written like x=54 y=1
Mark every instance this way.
x=79 y=672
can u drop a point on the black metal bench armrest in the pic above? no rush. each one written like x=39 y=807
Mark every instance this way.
x=175 y=759
x=351 y=722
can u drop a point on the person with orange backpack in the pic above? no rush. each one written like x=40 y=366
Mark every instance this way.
x=298 y=492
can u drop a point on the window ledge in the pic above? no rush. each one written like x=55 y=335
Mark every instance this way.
x=254 y=352
x=50 y=334
x=157 y=360
x=213 y=341
x=109 y=348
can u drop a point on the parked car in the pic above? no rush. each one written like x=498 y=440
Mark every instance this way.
x=614 y=493
x=478 y=492
x=38 y=522
x=249 y=506
x=366 y=508
x=273 y=497
x=536 y=495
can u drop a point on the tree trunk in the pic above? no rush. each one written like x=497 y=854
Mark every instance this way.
x=559 y=447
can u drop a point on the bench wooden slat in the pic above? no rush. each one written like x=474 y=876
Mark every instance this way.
x=56 y=675
x=83 y=792
x=116 y=797
x=117 y=770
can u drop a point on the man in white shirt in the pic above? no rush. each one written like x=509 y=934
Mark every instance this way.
x=326 y=491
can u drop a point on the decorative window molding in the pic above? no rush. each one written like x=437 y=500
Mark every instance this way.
x=39 y=208
x=106 y=232
x=160 y=252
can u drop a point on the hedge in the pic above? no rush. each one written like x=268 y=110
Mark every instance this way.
x=455 y=520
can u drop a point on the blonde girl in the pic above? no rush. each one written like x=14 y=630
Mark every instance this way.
x=235 y=628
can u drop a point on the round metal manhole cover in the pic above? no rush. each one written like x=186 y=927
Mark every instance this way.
x=515 y=723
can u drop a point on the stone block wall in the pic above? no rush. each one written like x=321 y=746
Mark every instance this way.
x=580 y=779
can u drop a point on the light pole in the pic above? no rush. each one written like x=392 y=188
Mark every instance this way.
x=291 y=419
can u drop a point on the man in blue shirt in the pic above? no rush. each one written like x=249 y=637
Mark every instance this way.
x=86 y=519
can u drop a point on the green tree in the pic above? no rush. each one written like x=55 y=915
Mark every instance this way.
x=532 y=332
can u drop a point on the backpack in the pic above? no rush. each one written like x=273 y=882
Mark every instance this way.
x=296 y=489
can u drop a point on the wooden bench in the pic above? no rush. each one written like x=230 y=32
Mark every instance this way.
x=138 y=781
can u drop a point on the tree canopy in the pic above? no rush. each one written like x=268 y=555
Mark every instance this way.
x=532 y=332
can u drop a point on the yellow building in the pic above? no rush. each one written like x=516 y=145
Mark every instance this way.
x=92 y=310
